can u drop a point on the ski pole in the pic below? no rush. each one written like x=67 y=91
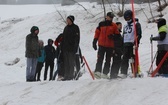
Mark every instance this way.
x=151 y=67
x=88 y=68
x=152 y=53
x=76 y=77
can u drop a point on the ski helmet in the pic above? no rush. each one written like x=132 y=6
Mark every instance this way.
x=161 y=22
x=128 y=14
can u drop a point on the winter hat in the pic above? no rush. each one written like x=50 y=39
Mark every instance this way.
x=33 y=29
x=161 y=22
x=71 y=17
x=50 y=41
x=110 y=14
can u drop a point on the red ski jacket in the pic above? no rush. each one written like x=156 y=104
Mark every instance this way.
x=103 y=31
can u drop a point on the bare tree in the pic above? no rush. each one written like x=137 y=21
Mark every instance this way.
x=145 y=14
x=121 y=7
x=110 y=6
x=59 y=13
x=103 y=3
x=160 y=6
x=166 y=3
x=151 y=10
x=83 y=7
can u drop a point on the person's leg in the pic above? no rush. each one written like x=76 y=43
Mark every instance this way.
x=28 y=69
x=39 y=71
x=100 y=57
x=115 y=65
x=128 y=52
x=46 y=70
x=33 y=71
x=159 y=57
x=66 y=64
x=71 y=65
x=109 y=52
x=51 y=70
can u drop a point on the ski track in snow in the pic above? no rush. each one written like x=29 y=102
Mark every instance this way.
x=15 y=91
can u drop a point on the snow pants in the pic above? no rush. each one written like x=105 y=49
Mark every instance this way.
x=107 y=52
x=116 y=63
x=38 y=70
x=31 y=69
x=69 y=63
x=164 y=67
x=127 y=54
x=47 y=65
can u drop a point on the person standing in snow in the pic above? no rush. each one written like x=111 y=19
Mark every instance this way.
x=49 y=60
x=162 y=39
x=104 y=34
x=59 y=56
x=118 y=50
x=70 y=44
x=32 y=53
x=41 y=60
x=129 y=41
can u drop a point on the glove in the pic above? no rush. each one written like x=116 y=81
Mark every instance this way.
x=95 y=43
x=111 y=36
x=151 y=38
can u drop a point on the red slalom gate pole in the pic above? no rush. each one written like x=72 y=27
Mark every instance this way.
x=160 y=64
x=88 y=68
x=137 y=66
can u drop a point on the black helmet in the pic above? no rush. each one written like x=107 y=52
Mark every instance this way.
x=161 y=22
x=128 y=14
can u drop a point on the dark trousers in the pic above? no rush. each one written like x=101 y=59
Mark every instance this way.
x=127 y=54
x=38 y=70
x=164 y=67
x=60 y=67
x=77 y=62
x=107 y=52
x=116 y=64
x=69 y=63
x=51 y=65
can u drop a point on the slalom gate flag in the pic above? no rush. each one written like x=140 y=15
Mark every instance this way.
x=137 y=65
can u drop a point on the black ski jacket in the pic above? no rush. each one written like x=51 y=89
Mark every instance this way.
x=71 y=38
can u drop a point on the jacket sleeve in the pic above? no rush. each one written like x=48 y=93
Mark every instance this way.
x=77 y=39
x=28 y=44
x=97 y=32
x=161 y=37
x=139 y=31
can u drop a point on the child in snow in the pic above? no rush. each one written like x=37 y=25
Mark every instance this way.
x=49 y=61
x=162 y=39
x=41 y=60
x=129 y=41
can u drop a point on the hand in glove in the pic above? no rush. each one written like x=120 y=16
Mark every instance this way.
x=151 y=38
x=95 y=44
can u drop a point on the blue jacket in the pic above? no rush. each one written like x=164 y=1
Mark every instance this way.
x=43 y=56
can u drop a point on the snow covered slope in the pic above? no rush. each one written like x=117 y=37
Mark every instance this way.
x=14 y=27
